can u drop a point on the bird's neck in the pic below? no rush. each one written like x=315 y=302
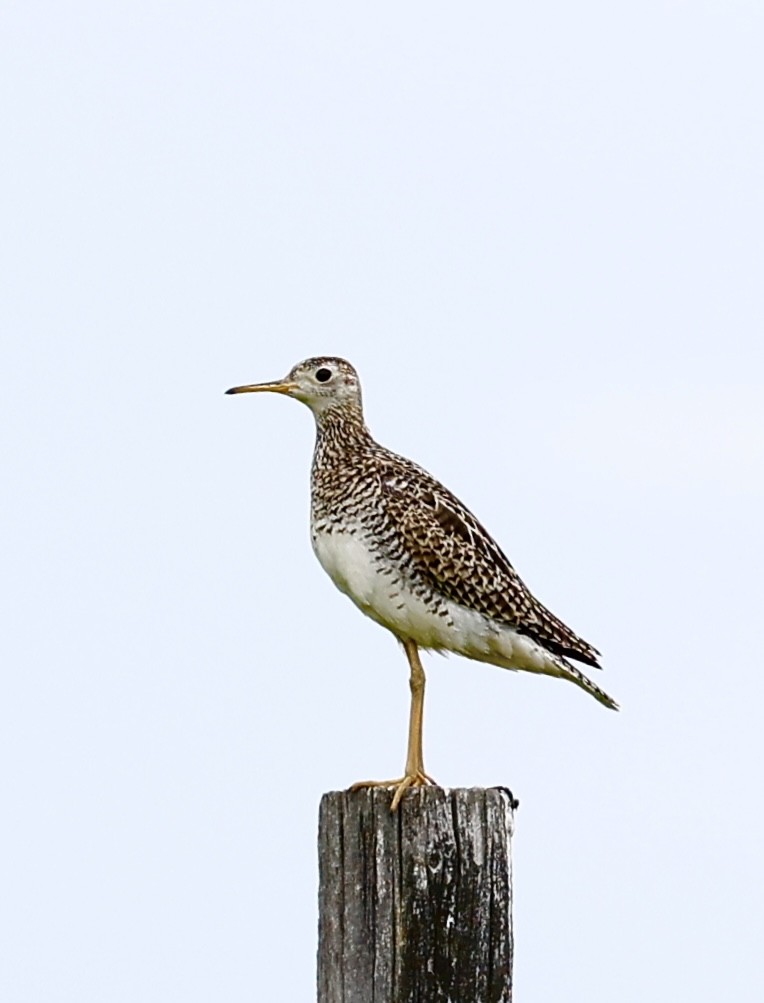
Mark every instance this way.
x=340 y=432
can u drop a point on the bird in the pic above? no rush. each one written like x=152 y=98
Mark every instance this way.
x=414 y=559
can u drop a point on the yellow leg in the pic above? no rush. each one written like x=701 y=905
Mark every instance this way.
x=415 y=775
x=414 y=756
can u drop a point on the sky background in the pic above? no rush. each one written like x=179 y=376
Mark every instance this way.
x=536 y=230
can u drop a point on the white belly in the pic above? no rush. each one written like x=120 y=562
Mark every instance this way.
x=387 y=598
x=350 y=565
x=357 y=571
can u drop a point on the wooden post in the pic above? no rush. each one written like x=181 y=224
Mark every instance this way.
x=415 y=907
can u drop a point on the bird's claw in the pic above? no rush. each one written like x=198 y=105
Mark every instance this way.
x=401 y=785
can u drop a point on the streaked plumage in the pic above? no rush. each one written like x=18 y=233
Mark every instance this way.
x=410 y=554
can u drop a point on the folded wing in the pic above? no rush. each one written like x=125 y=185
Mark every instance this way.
x=453 y=552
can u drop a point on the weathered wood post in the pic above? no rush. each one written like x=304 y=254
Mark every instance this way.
x=415 y=907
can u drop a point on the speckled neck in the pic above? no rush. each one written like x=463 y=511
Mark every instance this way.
x=340 y=430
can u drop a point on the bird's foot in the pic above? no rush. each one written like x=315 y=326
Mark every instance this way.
x=417 y=779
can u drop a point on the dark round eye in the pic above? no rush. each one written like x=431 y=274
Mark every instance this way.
x=322 y=375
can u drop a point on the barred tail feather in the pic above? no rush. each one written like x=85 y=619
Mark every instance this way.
x=576 y=676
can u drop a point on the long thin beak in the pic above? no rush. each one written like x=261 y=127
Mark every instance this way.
x=279 y=387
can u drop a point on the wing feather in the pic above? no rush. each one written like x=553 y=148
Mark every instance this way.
x=456 y=555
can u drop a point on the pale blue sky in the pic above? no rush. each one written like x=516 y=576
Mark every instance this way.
x=536 y=230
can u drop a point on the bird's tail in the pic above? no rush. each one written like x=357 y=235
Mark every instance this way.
x=576 y=676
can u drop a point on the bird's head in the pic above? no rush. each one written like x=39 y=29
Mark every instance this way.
x=323 y=383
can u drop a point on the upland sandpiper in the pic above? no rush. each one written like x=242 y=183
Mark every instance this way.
x=413 y=558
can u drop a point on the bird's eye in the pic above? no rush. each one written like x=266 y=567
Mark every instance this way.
x=323 y=375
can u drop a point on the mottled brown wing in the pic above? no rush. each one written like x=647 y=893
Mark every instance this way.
x=462 y=561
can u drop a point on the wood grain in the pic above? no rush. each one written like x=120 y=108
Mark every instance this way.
x=416 y=906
